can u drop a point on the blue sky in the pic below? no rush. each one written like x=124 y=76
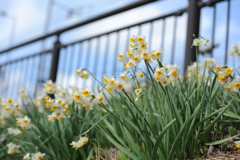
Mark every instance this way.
x=31 y=17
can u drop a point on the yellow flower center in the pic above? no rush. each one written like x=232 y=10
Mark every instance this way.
x=228 y=88
x=152 y=55
x=10 y=101
x=24 y=127
x=130 y=54
x=112 y=82
x=158 y=54
x=108 y=89
x=54 y=107
x=79 y=146
x=164 y=82
x=144 y=54
x=143 y=45
x=237 y=85
x=77 y=96
x=120 y=86
x=131 y=45
x=148 y=59
x=157 y=78
x=238 y=146
x=77 y=72
x=198 y=43
x=85 y=75
x=132 y=40
x=84 y=141
x=140 y=39
x=122 y=76
x=105 y=80
x=25 y=121
x=85 y=93
x=135 y=58
x=130 y=64
x=87 y=106
x=65 y=111
x=61 y=118
x=141 y=75
x=174 y=72
x=137 y=91
x=100 y=99
x=158 y=73
x=228 y=70
x=218 y=69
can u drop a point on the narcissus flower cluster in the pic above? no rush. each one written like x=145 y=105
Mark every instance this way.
x=80 y=143
x=137 y=52
x=34 y=156
x=226 y=78
x=12 y=148
x=24 y=123
x=14 y=131
x=8 y=107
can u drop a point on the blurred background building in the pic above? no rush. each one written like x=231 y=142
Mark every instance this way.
x=50 y=39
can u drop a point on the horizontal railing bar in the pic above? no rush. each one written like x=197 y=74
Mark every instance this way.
x=177 y=13
x=209 y=3
x=26 y=57
x=88 y=21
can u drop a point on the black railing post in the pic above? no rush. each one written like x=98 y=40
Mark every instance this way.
x=55 y=59
x=192 y=28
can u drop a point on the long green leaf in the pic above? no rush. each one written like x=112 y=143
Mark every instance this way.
x=156 y=145
x=222 y=140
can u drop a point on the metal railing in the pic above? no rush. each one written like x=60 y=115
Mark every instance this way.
x=98 y=53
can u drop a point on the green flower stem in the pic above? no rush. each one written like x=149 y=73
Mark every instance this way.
x=140 y=113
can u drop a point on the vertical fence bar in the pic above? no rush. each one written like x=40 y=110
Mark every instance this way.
x=227 y=33
x=163 y=33
x=1 y=77
x=87 y=60
x=13 y=79
x=78 y=58
x=126 y=44
x=69 y=64
x=96 y=60
x=64 y=64
x=10 y=79
x=116 y=51
x=15 y=94
x=150 y=35
x=213 y=29
x=24 y=66
x=55 y=60
x=174 y=39
x=163 y=36
x=33 y=74
x=192 y=28
x=6 y=85
x=105 y=55
x=28 y=81
x=62 y=59
x=39 y=77
x=20 y=74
